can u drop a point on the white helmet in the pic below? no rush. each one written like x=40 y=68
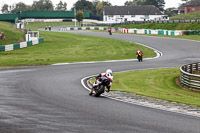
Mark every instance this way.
x=109 y=71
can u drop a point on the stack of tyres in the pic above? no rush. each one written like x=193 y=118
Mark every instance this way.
x=193 y=32
x=186 y=32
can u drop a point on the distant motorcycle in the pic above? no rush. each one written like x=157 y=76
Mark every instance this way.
x=110 y=32
x=139 y=54
x=139 y=57
x=100 y=89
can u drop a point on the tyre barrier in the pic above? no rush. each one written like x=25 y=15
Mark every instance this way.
x=153 y=32
x=15 y=46
x=192 y=32
x=190 y=76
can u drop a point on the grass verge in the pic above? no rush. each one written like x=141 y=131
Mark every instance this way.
x=194 y=15
x=166 y=26
x=158 y=83
x=38 y=25
x=11 y=33
x=66 y=47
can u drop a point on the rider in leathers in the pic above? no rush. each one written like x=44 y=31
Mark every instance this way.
x=107 y=75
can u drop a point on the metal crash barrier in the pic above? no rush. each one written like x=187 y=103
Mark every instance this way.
x=190 y=75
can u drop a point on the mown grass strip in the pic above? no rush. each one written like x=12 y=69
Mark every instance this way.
x=66 y=47
x=158 y=83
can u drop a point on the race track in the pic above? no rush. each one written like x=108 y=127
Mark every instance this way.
x=51 y=99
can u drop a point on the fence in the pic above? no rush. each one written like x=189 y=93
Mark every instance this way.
x=190 y=76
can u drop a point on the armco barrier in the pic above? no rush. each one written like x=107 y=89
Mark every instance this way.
x=114 y=29
x=15 y=46
x=84 y=28
x=188 y=76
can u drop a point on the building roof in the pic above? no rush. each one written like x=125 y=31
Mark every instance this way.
x=132 y=10
x=194 y=3
x=181 y=7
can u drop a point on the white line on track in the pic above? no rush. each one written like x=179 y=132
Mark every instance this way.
x=136 y=103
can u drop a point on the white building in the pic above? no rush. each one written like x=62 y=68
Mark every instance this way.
x=118 y=14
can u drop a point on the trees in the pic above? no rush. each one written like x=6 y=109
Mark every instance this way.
x=5 y=9
x=100 y=6
x=83 y=5
x=61 y=6
x=80 y=16
x=134 y=3
x=20 y=7
x=42 y=5
x=157 y=3
x=95 y=7
x=186 y=0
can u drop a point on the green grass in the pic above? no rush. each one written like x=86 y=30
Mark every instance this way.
x=167 y=26
x=11 y=33
x=159 y=84
x=37 y=25
x=195 y=15
x=66 y=47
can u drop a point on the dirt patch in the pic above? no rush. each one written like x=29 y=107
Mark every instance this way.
x=178 y=82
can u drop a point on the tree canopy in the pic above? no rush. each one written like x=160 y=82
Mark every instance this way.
x=39 y=5
x=95 y=7
x=157 y=3
x=61 y=6
x=42 y=5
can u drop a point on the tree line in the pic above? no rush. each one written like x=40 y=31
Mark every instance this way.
x=41 y=5
x=95 y=7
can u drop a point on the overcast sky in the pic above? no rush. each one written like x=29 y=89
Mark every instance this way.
x=169 y=3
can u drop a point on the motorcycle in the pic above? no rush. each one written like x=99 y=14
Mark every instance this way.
x=110 y=32
x=139 y=57
x=100 y=89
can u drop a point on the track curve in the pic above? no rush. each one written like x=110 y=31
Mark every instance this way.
x=52 y=99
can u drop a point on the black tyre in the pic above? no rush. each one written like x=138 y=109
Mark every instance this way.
x=99 y=91
x=139 y=58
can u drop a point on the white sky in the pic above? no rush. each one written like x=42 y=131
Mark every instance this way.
x=168 y=3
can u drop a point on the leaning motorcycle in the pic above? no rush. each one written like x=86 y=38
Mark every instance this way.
x=100 y=89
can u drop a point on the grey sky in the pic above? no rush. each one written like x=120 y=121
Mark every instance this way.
x=169 y=3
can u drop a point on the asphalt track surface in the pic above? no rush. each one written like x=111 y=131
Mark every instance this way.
x=51 y=99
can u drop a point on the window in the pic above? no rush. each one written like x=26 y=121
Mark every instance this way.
x=132 y=16
x=122 y=16
x=193 y=9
